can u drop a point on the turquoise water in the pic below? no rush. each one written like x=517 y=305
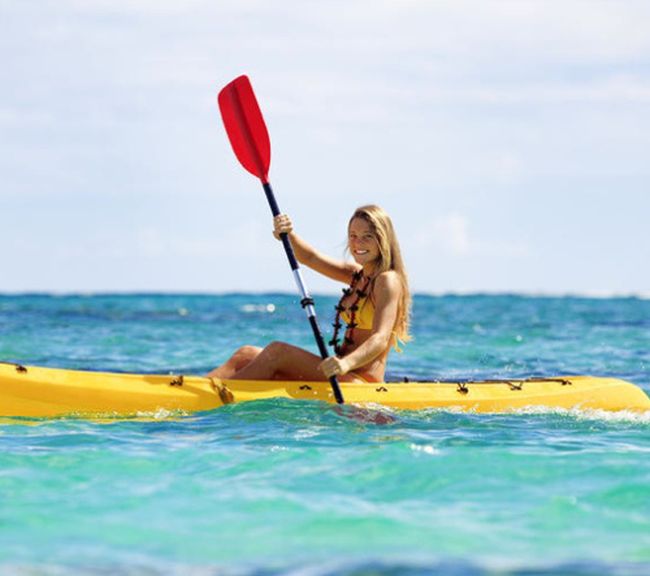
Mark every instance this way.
x=296 y=487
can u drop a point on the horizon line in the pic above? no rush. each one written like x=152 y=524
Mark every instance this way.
x=581 y=294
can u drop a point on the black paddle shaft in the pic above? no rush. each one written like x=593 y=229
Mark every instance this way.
x=307 y=301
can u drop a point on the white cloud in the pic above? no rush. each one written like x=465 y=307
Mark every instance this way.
x=16 y=117
x=449 y=233
x=453 y=234
x=150 y=243
x=615 y=89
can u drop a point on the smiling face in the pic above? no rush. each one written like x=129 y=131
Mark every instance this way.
x=362 y=243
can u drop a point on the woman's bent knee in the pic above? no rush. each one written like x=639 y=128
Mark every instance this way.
x=248 y=351
x=276 y=347
x=244 y=356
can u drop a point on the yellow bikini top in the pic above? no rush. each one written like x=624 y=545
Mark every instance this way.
x=360 y=314
x=363 y=317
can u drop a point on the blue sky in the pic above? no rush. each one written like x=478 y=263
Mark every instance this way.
x=509 y=140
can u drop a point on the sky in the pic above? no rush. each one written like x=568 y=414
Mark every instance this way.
x=509 y=141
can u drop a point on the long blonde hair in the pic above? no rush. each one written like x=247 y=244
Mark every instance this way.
x=390 y=258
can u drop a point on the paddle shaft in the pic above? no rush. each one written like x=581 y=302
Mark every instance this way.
x=307 y=301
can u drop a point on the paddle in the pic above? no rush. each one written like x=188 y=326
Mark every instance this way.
x=249 y=138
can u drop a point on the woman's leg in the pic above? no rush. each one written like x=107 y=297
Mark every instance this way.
x=281 y=361
x=241 y=358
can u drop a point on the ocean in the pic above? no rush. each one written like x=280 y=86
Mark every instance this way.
x=288 y=487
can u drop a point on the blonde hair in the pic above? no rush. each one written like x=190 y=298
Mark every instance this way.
x=390 y=258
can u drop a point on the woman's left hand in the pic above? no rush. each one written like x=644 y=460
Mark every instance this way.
x=334 y=366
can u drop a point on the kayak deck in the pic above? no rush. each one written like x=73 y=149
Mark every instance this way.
x=28 y=391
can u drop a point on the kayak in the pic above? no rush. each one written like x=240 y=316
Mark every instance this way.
x=30 y=391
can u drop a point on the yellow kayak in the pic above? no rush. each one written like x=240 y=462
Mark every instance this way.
x=31 y=391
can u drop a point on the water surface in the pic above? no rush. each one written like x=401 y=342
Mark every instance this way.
x=282 y=486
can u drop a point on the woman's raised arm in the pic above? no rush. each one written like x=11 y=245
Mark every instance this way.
x=309 y=256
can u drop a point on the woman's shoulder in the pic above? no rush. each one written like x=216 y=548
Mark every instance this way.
x=388 y=280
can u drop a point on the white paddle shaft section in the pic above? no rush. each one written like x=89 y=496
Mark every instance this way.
x=302 y=287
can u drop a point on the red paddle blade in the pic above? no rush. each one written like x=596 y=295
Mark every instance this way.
x=245 y=127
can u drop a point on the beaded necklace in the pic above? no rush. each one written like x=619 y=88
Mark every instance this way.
x=349 y=332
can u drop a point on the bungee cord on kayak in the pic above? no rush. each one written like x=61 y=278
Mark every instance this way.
x=18 y=367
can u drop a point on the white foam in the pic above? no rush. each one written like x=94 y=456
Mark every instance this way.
x=425 y=448
x=250 y=308
x=591 y=414
x=162 y=414
x=625 y=416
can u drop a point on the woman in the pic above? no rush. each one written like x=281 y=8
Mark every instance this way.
x=372 y=315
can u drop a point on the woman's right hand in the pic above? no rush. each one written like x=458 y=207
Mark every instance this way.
x=282 y=225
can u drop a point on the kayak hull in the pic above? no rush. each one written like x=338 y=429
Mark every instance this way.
x=28 y=391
